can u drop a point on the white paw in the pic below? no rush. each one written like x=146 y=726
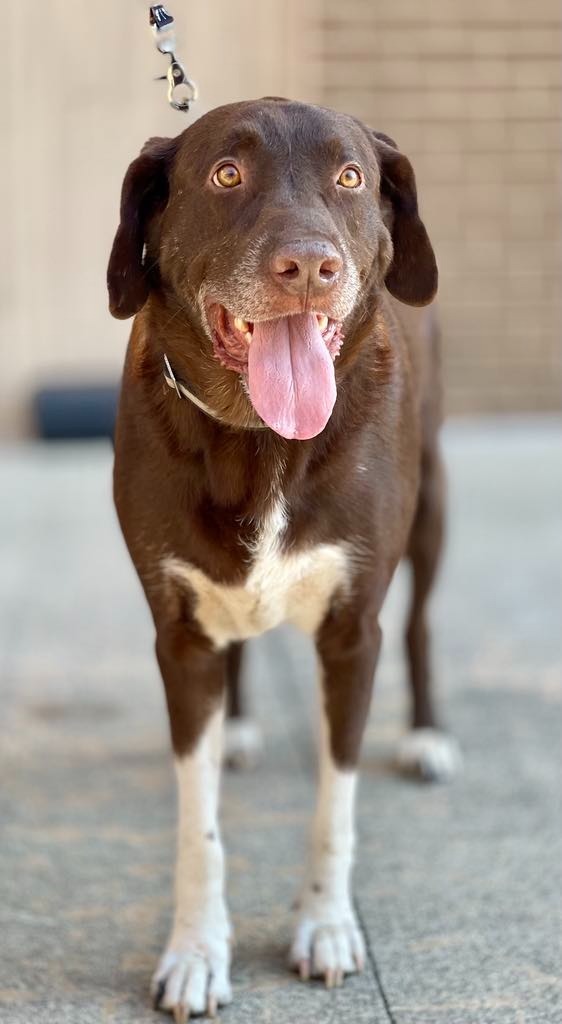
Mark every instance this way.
x=327 y=943
x=193 y=974
x=243 y=743
x=429 y=753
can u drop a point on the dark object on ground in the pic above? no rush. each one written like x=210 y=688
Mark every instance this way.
x=75 y=411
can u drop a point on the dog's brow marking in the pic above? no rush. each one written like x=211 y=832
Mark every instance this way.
x=290 y=160
x=280 y=587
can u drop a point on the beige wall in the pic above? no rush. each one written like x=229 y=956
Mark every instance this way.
x=78 y=101
x=470 y=91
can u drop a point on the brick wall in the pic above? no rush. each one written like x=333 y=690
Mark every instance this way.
x=469 y=88
x=471 y=93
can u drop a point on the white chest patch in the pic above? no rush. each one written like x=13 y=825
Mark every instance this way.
x=280 y=587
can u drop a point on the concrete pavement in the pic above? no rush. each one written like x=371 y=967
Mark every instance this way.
x=457 y=887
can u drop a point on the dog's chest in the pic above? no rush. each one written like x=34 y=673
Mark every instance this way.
x=280 y=587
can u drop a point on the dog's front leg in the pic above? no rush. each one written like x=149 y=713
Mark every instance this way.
x=193 y=973
x=328 y=942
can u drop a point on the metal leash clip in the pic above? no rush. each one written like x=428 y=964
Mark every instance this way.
x=182 y=91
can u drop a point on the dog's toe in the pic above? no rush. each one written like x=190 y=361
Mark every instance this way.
x=430 y=754
x=327 y=949
x=192 y=983
x=243 y=743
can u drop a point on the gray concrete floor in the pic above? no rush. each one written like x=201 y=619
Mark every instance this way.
x=457 y=887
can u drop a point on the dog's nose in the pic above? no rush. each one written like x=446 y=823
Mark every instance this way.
x=306 y=267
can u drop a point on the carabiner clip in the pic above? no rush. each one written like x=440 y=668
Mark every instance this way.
x=182 y=91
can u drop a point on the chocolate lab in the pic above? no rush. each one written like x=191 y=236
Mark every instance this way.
x=276 y=457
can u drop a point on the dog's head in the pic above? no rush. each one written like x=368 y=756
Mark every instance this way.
x=269 y=221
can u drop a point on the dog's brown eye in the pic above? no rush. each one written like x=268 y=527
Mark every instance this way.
x=227 y=176
x=350 y=177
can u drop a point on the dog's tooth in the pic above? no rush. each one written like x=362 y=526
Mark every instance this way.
x=248 y=336
x=241 y=325
x=322 y=321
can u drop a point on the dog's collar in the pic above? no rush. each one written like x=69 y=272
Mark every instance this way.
x=182 y=391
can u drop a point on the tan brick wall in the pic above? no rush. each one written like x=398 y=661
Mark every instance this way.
x=469 y=89
x=471 y=92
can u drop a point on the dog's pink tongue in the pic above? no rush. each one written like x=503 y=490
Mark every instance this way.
x=291 y=376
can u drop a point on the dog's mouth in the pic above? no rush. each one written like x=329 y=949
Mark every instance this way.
x=288 y=362
x=232 y=335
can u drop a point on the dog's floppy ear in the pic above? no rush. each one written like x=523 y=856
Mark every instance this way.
x=412 y=275
x=144 y=193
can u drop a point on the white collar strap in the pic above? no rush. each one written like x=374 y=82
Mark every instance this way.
x=183 y=392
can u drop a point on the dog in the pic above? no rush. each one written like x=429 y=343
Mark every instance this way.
x=276 y=456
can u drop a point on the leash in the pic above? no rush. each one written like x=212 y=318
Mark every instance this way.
x=182 y=90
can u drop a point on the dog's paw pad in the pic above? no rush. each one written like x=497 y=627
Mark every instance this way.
x=327 y=949
x=192 y=982
x=430 y=754
x=243 y=744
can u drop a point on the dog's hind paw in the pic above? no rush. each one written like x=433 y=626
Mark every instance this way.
x=429 y=754
x=243 y=744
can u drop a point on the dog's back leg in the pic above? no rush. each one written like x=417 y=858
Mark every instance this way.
x=424 y=550
x=235 y=703
x=243 y=741
x=425 y=750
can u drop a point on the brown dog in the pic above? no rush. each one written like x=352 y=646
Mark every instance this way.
x=276 y=456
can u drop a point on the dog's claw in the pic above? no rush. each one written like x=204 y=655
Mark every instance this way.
x=212 y=1006
x=304 y=970
x=159 y=994
x=328 y=951
x=180 y=1014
